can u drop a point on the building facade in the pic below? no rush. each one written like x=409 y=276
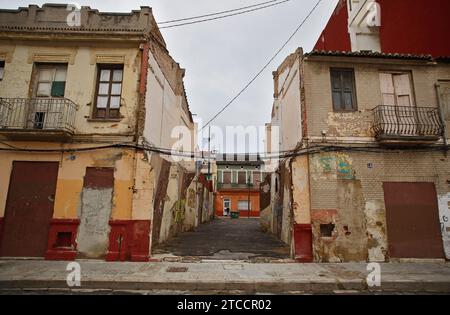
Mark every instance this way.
x=238 y=185
x=369 y=179
x=78 y=105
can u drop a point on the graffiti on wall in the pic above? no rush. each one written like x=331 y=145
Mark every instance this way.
x=339 y=165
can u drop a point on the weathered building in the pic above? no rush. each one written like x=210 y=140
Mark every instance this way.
x=369 y=178
x=81 y=106
x=238 y=184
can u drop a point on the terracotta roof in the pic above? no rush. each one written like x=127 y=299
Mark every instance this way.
x=370 y=54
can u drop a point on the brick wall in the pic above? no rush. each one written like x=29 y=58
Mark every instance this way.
x=319 y=108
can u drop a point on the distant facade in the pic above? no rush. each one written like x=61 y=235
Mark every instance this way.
x=238 y=185
x=78 y=106
x=368 y=176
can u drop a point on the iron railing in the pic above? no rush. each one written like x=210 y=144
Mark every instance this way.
x=57 y=114
x=407 y=121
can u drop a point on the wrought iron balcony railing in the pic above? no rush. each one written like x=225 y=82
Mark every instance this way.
x=403 y=122
x=36 y=114
x=236 y=186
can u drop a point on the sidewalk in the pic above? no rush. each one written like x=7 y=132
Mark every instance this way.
x=225 y=277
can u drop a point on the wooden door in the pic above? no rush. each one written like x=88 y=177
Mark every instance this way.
x=29 y=209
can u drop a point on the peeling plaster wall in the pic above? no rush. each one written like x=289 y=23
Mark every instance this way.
x=347 y=191
x=92 y=237
x=286 y=218
x=80 y=81
x=444 y=217
x=319 y=107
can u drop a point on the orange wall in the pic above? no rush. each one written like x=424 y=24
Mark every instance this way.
x=236 y=196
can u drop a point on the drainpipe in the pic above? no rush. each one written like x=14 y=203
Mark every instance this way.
x=441 y=116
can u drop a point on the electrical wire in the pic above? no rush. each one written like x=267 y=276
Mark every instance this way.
x=217 y=13
x=264 y=67
x=224 y=16
x=316 y=149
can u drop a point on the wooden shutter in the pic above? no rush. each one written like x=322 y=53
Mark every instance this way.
x=387 y=89
x=343 y=89
x=402 y=84
x=396 y=89
x=226 y=177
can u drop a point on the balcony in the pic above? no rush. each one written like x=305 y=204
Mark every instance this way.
x=236 y=186
x=405 y=125
x=44 y=119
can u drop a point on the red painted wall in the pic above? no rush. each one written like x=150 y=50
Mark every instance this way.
x=335 y=35
x=415 y=27
x=235 y=196
x=408 y=27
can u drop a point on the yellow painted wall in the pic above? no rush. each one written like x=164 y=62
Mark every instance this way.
x=72 y=168
x=80 y=81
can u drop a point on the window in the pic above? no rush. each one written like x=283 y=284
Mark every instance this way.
x=243 y=205
x=326 y=230
x=343 y=89
x=242 y=177
x=109 y=91
x=50 y=80
x=2 y=69
x=256 y=178
x=396 y=89
x=227 y=177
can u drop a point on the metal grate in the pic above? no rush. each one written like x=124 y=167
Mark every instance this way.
x=37 y=114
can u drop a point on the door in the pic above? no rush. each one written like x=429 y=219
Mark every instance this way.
x=412 y=217
x=29 y=209
x=396 y=94
x=226 y=206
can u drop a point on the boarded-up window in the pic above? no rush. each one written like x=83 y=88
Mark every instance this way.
x=396 y=89
x=242 y=177
x=343 y=89
x=50 y=80
x=109 y=91
x=227 y=177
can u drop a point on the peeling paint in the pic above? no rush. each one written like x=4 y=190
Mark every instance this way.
x=444 y=218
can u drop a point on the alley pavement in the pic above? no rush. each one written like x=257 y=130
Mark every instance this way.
x=222 y=277
x=225 y=238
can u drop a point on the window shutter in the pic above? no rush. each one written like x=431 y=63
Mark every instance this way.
x=402 y=84
x=343 y=89
x=58 y=88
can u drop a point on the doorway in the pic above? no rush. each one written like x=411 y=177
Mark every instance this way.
x=29 y=209
x=412 y=216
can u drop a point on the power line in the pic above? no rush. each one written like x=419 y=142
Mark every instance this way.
x=225 y=16
x=217 y=13
x=265 y=66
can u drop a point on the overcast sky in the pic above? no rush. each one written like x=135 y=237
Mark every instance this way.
x=221 y=56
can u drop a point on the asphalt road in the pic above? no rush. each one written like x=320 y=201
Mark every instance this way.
x=225 y=238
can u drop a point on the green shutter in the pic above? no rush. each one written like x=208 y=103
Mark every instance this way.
x=58 y=88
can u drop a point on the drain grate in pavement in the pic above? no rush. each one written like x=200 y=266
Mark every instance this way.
x=176 y=269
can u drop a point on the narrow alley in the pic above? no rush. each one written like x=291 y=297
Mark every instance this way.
x=226 y=239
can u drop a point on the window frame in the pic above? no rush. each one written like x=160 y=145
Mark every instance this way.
x=353 y=81
x=38 y=67
x=111 y=67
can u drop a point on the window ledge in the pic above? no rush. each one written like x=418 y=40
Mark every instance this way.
x=104 y=120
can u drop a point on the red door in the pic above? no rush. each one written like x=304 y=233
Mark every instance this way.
x=412 y=216
x=29 y=209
